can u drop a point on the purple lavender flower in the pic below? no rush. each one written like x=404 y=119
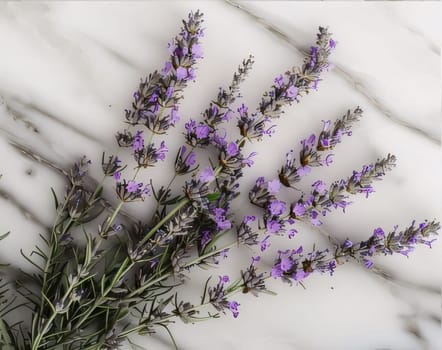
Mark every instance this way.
x=148 y=156
x=224 y=279
x=303 y=170
x=298 y=209
x=254 y=126
x=249 y=160
x=133 y=186
x=190 y=127
x=233 y=306
x=232 y=149
x=314 y=84
x=249 y=218
x=313 y=56
x=174 y=116
x=138 y=141
x=291 y=92
x=132 y=190
x=181 y=73
x=169 y=92
x=402 y=242
x=205 y=238
x=347 y=244
x=276 y=271
x=368 y=263
x=190 y=159
x=319 y=187
x=279 y=81
x=191 y=74
x=314 y=218
x=310 y=142
x=167 y=68
x=255 y=260
x=220 y=219
x=274 y=186
x=117 y=175
x=207 y=175
x=273 y=226
x=136 y=96
x=227 y=116
x=328 y=160
x=264 y=244
x=197 y=51
x=214 y=110
x=202 y=131
x=286 y=262
x=219 y=140
x=184 y=161
x=112 y=166
x=300 y=275
x=276 y=208
x=162 y=151
x=242 y=110
x=379 y=232
x=291 y=233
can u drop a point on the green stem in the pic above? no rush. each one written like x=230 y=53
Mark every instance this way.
x=36 y=342
x=53 y=249
x=111 y=219
x=169 y=216
x=127 y=264
x=124 y=268
x=209 y=254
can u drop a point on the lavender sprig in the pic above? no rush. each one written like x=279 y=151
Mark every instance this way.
x=313 y=148
x=322 y=200
x=293 y=265
x=162 y=91
x=287 y=88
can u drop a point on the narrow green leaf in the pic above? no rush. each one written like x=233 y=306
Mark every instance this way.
x=55 y=198
x=213 y=196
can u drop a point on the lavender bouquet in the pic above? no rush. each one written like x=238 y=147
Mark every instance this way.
x=102 y=275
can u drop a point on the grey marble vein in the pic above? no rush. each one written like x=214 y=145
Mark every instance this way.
x=22 y=208
x=115 y=54
x=411 y=327
x=19 y=116
x=357 y=85
x=29 y=153
x=40 y=111
x=433 y=47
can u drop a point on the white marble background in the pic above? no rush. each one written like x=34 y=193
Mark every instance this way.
x=68 y=70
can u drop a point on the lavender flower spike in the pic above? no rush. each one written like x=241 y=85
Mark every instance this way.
x=155 y=102
x=287 y=89
x=292 y=265
x=293 y=84
x=313 y=149
x=322 y=200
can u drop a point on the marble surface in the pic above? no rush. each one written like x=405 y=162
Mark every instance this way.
x=68 y=70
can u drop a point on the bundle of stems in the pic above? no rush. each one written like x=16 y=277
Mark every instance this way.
x=100 y=278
